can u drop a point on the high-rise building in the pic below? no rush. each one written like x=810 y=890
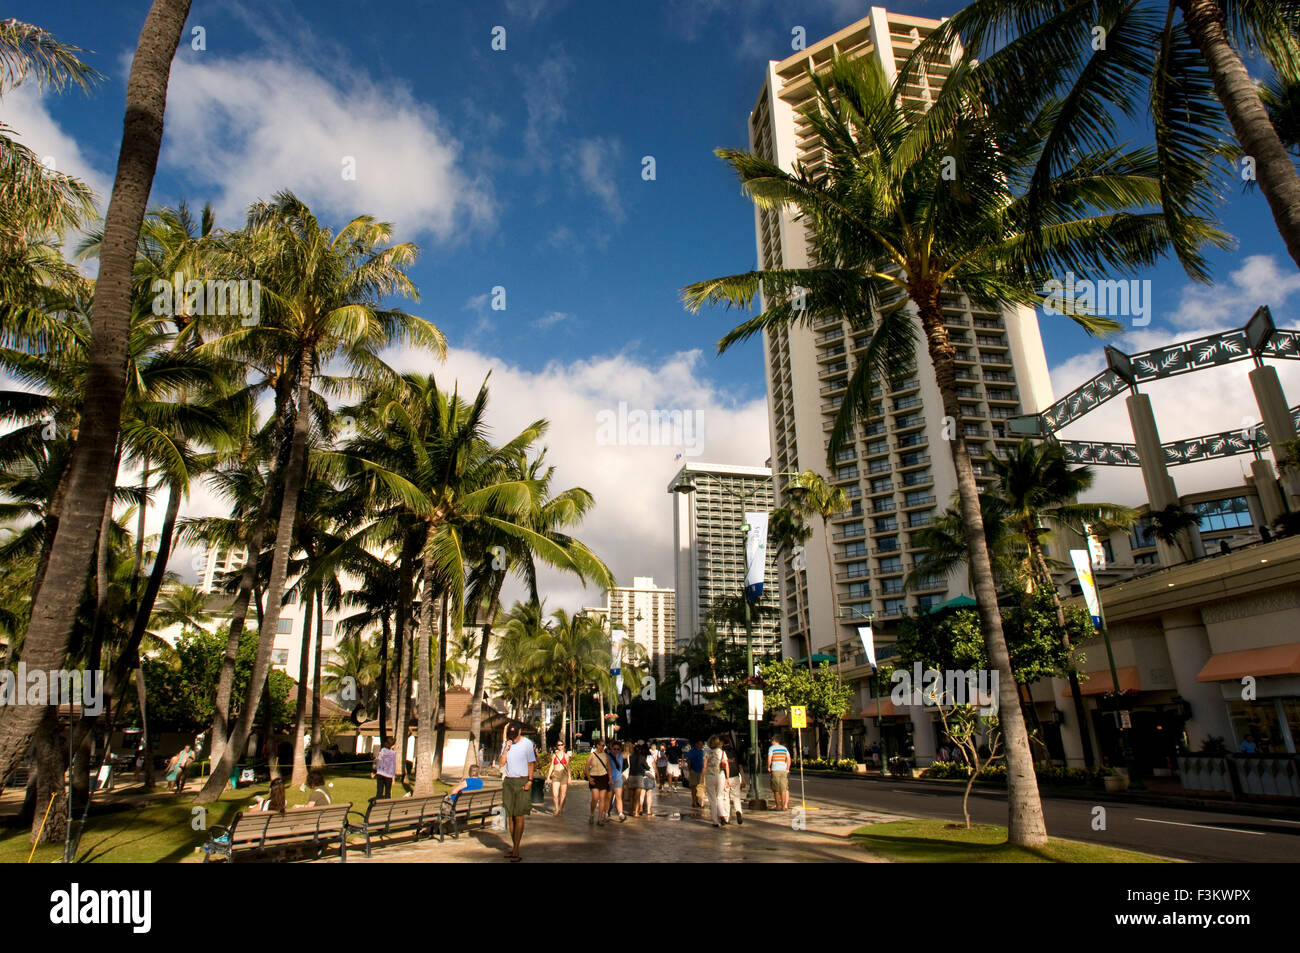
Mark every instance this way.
x=647 y=613
x=897 y=471
x=708 y=526
x=218 y=563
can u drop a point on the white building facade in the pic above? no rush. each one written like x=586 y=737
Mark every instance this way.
x=898 y=472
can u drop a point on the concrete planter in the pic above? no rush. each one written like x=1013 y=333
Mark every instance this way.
x=1115 y=783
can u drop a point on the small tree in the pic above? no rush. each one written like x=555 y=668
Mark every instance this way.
x=972 y=732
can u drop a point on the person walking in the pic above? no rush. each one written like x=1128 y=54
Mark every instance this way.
x=715 y=781
x=661 y=763
x=176 y=768
x=517 y=760
x=385 y=769
x=559 y=776
x=695 y=773
x=778 y=772
x=651 y=782
x=617 y=768
x=598 y=780
x=736 y=784
x=637 y=777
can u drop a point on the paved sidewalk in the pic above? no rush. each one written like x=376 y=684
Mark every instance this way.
x=676 y=833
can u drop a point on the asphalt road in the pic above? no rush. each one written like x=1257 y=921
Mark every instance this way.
x=1170 y=832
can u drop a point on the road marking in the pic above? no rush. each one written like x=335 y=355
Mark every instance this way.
x=913 y=793
x=1204 y=827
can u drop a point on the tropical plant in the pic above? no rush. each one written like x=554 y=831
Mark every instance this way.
x=1176 y=60
x=905 y=207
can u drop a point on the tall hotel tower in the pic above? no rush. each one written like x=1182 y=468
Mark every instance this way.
x=898 y=474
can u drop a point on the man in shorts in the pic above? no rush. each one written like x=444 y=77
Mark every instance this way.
x=695 y=773
x=778 y=769
x=517 y=760
x=598 y=780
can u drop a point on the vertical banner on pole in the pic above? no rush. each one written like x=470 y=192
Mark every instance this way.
x=868 y=643
x=1081 y=569
x=616 y=651
x=755 y=555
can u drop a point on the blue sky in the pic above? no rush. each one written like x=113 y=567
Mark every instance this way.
x=523 y=169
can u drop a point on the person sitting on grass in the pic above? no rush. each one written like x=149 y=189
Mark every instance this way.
x=471 y=782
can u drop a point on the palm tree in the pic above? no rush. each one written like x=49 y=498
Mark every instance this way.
x=571 y=648
x=92 y=470
x=1172 y=525
x=787 y=531
x=1177 y=59
x=812 y=495
x=1037 y=483
x=321 y=294
x=904 y=208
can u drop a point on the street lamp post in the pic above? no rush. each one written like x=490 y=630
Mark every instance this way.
x=685 y=485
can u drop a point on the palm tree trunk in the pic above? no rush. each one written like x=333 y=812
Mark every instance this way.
x=385 y=636
x=140 y=693
x=51 y=800
x=294 y=476
x=402 y=639
x=425 y=691
x=835 y=627
x=1255 y=132
x=440 y=698
x=476 y=703
x=1076 y=694
x=92 y=474
x=1025 y=825
x=299 y=776
x=317 y=759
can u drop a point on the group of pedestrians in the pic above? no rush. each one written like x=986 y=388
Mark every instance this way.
x=611 y=770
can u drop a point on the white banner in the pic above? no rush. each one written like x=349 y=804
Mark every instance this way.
x=755 y=704
x=1080 y=559
x=755 y=555
x=616 y=650
x=868 y=643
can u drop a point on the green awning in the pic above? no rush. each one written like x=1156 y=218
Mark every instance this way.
x=818 y=658
x=957 y=602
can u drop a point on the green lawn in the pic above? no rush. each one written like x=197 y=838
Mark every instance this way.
x=936 y=841
x=161 y=830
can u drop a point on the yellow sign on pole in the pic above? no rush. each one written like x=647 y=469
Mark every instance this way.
x=798 y=716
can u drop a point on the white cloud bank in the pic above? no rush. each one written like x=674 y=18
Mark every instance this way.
x=251 y=126
x=1191 y=405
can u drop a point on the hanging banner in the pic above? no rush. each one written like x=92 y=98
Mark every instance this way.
x=868 y=644
x=756 y=704
x=755 y=555
x=1081 y=569
x=1096 y=548
x=616 y=651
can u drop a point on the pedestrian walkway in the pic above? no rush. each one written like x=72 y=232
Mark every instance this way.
x=676 y=833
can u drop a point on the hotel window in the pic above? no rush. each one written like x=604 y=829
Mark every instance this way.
x=893 y=607
x=284 y=626
x=328 y=627
x=860 y=590
x=279 y=656
x=1224 y=514
x=891 y=564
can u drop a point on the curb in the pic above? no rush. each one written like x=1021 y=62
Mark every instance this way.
x=1253 y=809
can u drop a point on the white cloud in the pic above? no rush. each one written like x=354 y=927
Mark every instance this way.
x=595 y=156
x=631 y=525
x=1190 y=405
x=550 y=319
x=287 y=127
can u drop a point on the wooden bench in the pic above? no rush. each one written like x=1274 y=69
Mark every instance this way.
x=468 y=806
x=269 y=830
x=387 y=815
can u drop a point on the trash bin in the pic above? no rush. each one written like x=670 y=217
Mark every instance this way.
x=538 y=790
